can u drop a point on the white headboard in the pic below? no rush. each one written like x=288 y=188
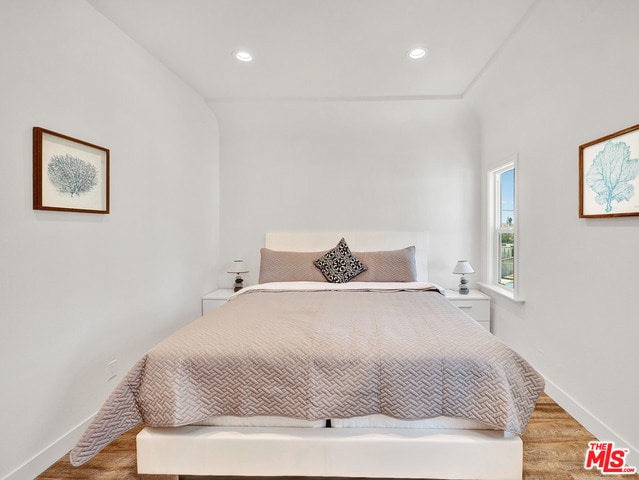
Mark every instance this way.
x=357 y=241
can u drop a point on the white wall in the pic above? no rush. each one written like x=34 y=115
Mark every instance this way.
x=77 y=290
x=345 y=166
x=570 y=76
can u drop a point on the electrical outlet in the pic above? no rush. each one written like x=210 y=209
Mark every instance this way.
x=112 y=369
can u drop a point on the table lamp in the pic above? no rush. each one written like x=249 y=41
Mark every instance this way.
x=238 y=267
x=462 y=268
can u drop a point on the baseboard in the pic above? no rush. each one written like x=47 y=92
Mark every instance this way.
x=591 y=423
x=49 y=455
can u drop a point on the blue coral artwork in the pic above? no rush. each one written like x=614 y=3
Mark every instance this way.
x=69 y=174
x=609 y=175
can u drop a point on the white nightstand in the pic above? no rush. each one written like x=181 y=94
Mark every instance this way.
x=215 y=299
x=475 y=304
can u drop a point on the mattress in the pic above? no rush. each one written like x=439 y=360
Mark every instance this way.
x=317 y=351
x=260 y=421
x=367 y=421
x=440 y=422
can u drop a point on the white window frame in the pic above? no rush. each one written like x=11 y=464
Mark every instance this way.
x=494 y=229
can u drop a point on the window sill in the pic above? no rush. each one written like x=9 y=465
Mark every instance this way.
x=509 y=294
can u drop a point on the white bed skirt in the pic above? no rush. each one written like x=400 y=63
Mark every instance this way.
x=330 y=452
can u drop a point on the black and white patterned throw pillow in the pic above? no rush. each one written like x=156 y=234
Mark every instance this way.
x=339 y=265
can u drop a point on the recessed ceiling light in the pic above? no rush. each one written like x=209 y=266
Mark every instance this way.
x=416 y=53
x=243 y=55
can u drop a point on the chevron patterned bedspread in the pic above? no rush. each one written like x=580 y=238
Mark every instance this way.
x=316 y=354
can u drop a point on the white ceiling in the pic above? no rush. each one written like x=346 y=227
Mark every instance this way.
x=317 y=49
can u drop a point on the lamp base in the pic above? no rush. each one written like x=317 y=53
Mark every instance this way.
x=463 y=286
x=239 y=284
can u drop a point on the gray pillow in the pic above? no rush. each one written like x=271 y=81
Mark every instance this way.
x=281 y=266
x=388 y=266
x=339 y=265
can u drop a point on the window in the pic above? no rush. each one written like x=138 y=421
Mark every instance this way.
x=506 y=227
x=502 y=229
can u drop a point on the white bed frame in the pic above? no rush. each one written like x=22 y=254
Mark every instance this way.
x=333 y=452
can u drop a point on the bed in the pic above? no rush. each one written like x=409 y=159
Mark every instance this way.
x=363 y=371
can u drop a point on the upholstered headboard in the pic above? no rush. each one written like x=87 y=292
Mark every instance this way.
x=357 y=241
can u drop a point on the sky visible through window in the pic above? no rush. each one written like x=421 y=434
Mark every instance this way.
x=508 y=196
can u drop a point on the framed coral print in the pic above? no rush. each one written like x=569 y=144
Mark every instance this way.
x=609 y=175
x=69 y=175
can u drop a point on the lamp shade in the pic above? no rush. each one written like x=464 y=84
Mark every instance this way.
x=463 y=266
x=238 y=266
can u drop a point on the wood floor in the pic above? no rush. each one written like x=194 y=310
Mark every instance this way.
x=554 y=449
